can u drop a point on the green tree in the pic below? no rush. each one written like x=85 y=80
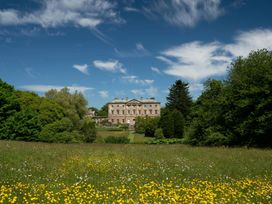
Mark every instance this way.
x=88 y=130
x=167 y=123
x=103 y=111
x=9 y=104
x=208 y=114
x=73 y=104
x=178 y=121
x=23 y=125
x=146 y=125
x=179 y=98
x=249 y=87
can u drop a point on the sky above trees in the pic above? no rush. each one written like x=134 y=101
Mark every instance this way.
x=126 y=48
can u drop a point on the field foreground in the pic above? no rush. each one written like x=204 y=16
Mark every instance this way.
x=101 y=173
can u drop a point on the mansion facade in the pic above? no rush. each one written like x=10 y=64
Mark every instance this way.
x=124 y=111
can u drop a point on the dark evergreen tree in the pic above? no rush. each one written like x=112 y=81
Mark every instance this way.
x=178 y=120
x=179 y=98
x=167 y=123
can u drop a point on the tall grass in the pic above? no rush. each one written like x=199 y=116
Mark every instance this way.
x=105 y=166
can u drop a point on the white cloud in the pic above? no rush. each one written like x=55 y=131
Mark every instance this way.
x=45 y=88
x=136 y=80
x=110 y=65
x=148 y=92
x=84 y=13
x=185 y=12
x=156 y=70
x=104 y=94
x=245 y=42
x=82 y=68
x=196 y=61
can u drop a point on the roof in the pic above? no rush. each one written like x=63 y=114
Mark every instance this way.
x=125 y=101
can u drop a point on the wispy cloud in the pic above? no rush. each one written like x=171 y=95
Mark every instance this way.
x=110 y=65
x=135 y=80
x=45 y=88
x=82 y=68
x=148 y=92
x=184 y=12
x=138 y=51
x=29 y=72
x=104 y=94
x=196 y=60
x=83 y=13
x=156 y=70
x=131 y=9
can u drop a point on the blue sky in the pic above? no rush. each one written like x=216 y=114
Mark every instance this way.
x=126 y=48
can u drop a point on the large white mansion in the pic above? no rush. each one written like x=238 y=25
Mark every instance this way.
x=125 y=111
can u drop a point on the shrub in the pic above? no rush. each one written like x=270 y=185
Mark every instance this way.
x=216 y=139
x=50 y=132
x=159 y=134
x=117 y=140
x=88 y=130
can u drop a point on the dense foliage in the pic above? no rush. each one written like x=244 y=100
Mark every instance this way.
x=237 y=111
x=57 y=117
x=146 y=125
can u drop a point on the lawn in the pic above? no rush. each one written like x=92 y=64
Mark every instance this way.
x=132 y=173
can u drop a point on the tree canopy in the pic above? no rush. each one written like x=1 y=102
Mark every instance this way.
x=237 y=111
x=60 y=116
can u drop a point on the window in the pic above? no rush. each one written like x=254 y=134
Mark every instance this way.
x=156 y=105
x=111 y=105
x=112 y=112
x=150 y=111
x=145 y=112
x=123 y=112
x=112 y=120
x=128 y=111
x=139 y=112
x=117 y=112
x=134 y=111
x=123 y=120
x=156 y=111
x=117 y=120
x=118 y=105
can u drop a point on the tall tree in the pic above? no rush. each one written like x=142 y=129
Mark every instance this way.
x=103 y=111
x=179 y=98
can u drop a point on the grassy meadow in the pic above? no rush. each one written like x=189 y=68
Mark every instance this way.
x=132 y=173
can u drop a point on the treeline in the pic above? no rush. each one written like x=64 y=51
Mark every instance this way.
x=232 y=112
x=59 y=116
x=237 y=111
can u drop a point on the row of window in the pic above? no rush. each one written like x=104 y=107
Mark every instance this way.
x=134 y=112
x=134 y=105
